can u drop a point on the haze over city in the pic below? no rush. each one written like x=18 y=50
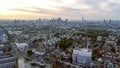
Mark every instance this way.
x=59 y=34
x=71 y=9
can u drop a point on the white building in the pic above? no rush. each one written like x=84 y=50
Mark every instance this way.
x=22 y=46
x=3 y=38
x=99 y=38
x=82 y=56
x=15 y=32
x=38 y=52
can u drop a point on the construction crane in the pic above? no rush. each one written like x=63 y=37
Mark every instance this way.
x=86 y=31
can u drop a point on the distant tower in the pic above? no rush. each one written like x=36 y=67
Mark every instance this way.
x=110 y=21
x=39 y=19
x=82 y=19
x=104 y=21
x=66 y=20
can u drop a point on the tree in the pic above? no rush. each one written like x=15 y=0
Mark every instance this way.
x=64 y=43
x=29 y=52
x=94 y=33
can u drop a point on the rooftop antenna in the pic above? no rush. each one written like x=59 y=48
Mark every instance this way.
x=84 y=21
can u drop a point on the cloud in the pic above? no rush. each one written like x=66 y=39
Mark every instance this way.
x=93 y=9
x=38 y=11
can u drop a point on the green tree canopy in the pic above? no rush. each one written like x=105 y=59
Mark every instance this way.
x=94 y=33
x=29 y=52
x=64 y=43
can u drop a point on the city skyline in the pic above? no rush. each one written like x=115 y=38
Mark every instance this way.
x=71 y=9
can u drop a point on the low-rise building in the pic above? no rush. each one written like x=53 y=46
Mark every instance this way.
x=22 y=46
x=8 y=62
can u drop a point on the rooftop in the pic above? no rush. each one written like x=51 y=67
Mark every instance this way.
x=83 y=49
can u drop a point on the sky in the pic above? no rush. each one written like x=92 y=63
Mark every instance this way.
x=71 y=9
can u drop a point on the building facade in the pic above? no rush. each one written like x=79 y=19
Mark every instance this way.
x=82 y=56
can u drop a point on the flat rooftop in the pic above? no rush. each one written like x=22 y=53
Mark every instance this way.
x=83 y=49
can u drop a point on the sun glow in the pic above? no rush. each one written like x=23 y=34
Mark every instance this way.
x=9 y=8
